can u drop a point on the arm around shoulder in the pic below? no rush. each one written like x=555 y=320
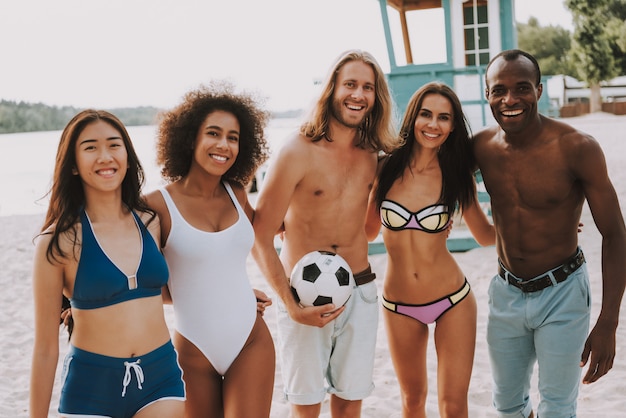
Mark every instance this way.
x=156 y=202
x=483 y=231
x=372 y=220
x=372 y=217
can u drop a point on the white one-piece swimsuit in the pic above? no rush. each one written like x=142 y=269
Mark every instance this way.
x=214 y=304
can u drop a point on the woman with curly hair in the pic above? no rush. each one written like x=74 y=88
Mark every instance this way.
x=209 y=147
x=99 y=246
x=419 y=188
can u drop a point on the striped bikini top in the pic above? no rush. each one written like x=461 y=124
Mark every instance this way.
x=432 y=219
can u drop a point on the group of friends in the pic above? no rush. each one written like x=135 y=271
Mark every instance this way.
x=348 y=172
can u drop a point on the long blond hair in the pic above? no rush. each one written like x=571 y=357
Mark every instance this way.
x=377 y=131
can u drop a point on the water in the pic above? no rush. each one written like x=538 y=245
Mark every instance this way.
x=27 y=162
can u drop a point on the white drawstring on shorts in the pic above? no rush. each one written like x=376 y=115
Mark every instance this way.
x=138 y=374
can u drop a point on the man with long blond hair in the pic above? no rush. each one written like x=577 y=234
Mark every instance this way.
x=316 y=192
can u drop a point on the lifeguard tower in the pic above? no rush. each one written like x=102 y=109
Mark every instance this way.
x=468 y=33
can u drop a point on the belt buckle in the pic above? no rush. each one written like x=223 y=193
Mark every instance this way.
x=510 y=279
x=535 y=285
x=529 y=286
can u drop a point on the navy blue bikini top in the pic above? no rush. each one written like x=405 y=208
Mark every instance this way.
x=433 y=218
x=99 y=282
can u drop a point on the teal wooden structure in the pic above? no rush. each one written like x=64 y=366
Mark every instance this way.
x=474 y=30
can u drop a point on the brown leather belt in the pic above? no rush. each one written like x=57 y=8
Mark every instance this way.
x=560 y=274
x=365 y=276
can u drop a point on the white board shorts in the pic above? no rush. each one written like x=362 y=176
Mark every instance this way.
x=336 y=359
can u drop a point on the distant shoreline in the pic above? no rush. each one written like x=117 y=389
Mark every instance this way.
x=23 y=117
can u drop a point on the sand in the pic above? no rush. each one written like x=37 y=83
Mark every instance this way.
x=605 y=398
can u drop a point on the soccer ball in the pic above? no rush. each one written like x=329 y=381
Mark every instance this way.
x=321 y=277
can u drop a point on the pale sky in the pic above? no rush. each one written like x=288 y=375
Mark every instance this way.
x=125 y=53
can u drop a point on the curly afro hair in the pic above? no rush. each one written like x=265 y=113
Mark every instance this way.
x=179 y=127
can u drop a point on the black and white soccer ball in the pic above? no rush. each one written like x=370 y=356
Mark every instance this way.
x=322 y=277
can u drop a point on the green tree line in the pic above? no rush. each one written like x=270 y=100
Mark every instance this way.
x=559 y=51
x=30 y=117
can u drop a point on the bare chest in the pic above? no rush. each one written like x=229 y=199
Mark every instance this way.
x=537 y=179
x=339 y=178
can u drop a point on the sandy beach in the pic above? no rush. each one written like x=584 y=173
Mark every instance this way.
x=605 y=398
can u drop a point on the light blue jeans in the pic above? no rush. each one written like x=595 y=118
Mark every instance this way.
x=549 y=326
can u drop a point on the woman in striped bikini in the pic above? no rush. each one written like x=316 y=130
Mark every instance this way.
x=419 y=188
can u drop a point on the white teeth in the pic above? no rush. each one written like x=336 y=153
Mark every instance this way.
x=430 y=135
x=218 y=157
x=512 y=112
x=352 y=107
x=106 y=172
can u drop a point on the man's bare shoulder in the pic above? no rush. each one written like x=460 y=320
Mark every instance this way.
x=569 y=137
x=292 y=154
x=556 y=127
x=296 y=144
x=485 y=134
x=301 y=154
x=287 y=167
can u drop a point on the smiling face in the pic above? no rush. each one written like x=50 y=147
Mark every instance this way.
x=101 y=157
x=217 y=143
x=434 y=121
x=355 y=93
x=513 y=93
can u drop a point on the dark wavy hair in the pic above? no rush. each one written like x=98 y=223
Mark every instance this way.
x=377 y=131
x=178 y=129
x=67 y=196
x=456 y=157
